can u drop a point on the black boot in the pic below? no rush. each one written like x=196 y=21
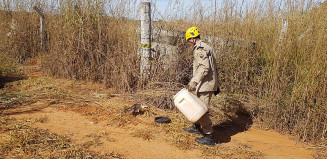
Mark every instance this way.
x=195 y=129
x=206 y=140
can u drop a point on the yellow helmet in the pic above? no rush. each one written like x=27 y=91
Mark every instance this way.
x=192 y=33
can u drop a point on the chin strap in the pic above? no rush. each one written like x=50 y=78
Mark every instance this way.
x=194 y=43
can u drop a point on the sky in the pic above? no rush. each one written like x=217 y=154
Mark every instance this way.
x=174 y=8
x=162 y=9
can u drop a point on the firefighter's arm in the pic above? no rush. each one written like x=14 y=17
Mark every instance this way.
x=202 y=68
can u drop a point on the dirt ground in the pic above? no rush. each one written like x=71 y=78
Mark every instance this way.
x=120 y=139
x=89 y=114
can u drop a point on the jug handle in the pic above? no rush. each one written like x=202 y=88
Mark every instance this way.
x=181 y=100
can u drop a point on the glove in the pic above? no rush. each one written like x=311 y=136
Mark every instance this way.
x=217 y=91
x=191 y=86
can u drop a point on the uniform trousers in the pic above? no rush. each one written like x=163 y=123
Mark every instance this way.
x=205 y=121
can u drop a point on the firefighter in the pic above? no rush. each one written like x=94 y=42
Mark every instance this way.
x=203 y=84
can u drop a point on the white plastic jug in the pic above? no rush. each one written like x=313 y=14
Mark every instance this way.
x=190 y=105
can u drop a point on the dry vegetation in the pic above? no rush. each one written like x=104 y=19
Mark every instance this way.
x=19 y=138
x=9 y=69
x=23 y=141
x=85 y=44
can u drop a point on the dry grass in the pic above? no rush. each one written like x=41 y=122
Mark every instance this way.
x=25 y=142
x=101 y=49
x=145 y=134
x=32 y=90
x=19 y=35
x=120 y=120
x=9 y=69
x=236 y=150
x=160 y=98
x=42 y=119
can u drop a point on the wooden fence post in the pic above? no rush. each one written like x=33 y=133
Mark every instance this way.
x=145 y=65
x=42 y=29
x=283 y=32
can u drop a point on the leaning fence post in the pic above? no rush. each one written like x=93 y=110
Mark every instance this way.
x=42 y=32
x=145 y=64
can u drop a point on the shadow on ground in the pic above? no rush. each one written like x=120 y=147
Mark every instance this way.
x=28 y=110
x=5 y=80
x=240 y=122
